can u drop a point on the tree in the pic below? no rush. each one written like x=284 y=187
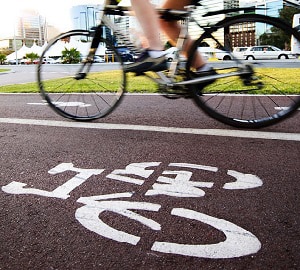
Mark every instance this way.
x=287 y=14
x=31 y=56
x=278 y=37
x=2 y=58
x=71 y=56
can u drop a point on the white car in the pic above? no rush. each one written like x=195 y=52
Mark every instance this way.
x=170 y=53
x=98 y=59
x=208 y=52
x=48 y=60
x=238 y=52
x=266 y=52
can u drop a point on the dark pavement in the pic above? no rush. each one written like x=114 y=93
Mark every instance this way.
x=142 y=194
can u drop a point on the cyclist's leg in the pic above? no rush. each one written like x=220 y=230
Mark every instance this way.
x=149 y=22
x=172 y=30
x=154 y=57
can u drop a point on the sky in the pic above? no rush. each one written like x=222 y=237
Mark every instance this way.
x=57 y=12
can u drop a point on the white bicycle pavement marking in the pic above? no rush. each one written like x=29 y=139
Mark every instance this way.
x=284 y=136
x=239 y=242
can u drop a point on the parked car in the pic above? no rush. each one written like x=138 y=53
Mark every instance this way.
x=208 y=52
x=36 y=61
x=25 y=62
x=58 y=61
x=238 y=52
x=171 y=53
x=98 y=59
x=11 y=62
x=48 y=61
x=266 y=52
x=126 y=54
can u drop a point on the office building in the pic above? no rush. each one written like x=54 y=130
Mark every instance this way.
x=31 y=28
x=85 y=16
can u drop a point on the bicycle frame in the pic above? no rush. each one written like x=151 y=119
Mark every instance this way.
x=224 y=88
x=162 y=79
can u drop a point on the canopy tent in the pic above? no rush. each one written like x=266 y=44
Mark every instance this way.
x=19 y=54
x=36 y=49
x=56 y=49
x=83 y=47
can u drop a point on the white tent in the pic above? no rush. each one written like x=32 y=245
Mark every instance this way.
x=82 y=47
x=20 y=53
x=56 y=49
x=36 y=49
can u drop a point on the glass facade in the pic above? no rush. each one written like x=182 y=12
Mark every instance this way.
x=31 y=28
x=85 y=17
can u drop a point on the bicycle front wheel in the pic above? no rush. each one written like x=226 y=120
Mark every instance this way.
x=249 y=93
x=76 y=87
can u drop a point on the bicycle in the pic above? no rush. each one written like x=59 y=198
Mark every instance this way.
x=243 y=94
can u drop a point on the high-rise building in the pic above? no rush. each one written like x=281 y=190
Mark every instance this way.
x=85 y=16
x=265 y=7
x=31 y=28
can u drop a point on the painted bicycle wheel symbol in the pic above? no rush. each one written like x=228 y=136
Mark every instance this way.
x=173 y=183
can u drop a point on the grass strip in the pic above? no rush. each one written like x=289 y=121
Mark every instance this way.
x=105 y=81
x=4 y=69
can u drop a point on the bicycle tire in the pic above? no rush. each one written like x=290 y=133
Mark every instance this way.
x=87 y=97
x=262 y=98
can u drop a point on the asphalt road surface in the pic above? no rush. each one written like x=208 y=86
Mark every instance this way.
x=154 y=185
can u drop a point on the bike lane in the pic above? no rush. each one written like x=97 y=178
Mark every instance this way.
x=106 y=199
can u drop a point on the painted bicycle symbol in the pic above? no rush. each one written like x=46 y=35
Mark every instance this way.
x=176 y=183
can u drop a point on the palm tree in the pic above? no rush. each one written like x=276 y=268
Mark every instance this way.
x=71 y=56
x=31 y=56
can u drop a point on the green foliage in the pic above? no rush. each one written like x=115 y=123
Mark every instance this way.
x=287 y=14
x=2 y=58
x=31 y=56
x=71 y=56
x=278 y=37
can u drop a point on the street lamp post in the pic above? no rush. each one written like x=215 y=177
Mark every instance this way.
x=15 y=44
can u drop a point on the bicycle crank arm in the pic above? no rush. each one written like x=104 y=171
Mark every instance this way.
x=162 y=80
x=80 y=76
x=212 y=78
x=84 y=69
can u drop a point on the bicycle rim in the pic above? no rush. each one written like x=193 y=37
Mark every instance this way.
x=81 y=97
x=267 y=92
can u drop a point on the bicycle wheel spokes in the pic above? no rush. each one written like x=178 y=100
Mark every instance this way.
x=265 y=92
x=268 y=97
x=71 y=92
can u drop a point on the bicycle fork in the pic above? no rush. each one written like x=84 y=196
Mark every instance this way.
x=86 y=64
